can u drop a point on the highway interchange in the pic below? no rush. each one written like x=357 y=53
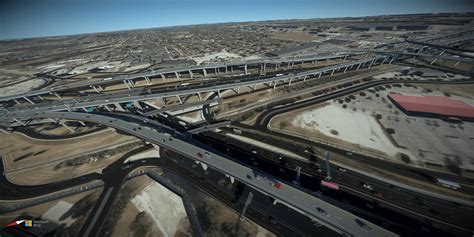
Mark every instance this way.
x=145 y=126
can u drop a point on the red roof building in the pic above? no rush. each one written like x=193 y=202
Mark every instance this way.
x=433 y=105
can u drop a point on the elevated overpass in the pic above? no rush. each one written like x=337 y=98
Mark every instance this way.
x=129 y=80
x=156 y=133
x=141 y=94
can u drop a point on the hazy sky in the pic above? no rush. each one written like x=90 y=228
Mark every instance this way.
x=33 y=18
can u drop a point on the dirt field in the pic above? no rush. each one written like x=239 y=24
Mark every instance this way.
x=296 y=37
x=20 y=151
x=124 y=215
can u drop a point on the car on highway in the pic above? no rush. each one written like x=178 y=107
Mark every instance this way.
x=367 y=186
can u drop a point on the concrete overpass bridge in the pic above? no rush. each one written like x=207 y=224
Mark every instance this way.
x=179 y=72
x=327 y=214
x=132 y=96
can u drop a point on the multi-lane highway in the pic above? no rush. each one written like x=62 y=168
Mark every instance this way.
x=329 y=215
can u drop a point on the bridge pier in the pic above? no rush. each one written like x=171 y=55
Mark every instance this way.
x=393 y=58
x=162 y=77
x=179 y=98
x=162 y=101
x=107 y=108
x=148 y=82
x=321 y=73
x=289 y=81
x=26 y=98
x=358 y=66
x=433 y=61
x=57 y=95
x=345 y=57
x=332 y=73
x=199 y=95
x=274 y=85
x=125 y=82
x=119 y=107
x=219 y=93
x=16 y=101
x=63 y=123
x=19 y=121
x=245 y=69
x=204 y=72
x=177 y=75
x=190 y=74
x=370 y=65
x=304 y=78
x=95 y=88
x=226 y=70
x=456 y=64
x=384 y=59
x=136 y=104
x=40 y=97
x=346 y=69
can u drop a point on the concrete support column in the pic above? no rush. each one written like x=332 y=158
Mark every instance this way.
x=321 y=73
x=219 y=93
x=238 y=90
x=162 y=77
x=107 y=108
x=177 y=75
x=190 y=74
x=81 y=123
x=215 y=70
x=360 y=64
x=148 y=82
x=19 y=121
x=245 y=69
x=264 y=67
x=16 y=101
x=345 y=57
x=26 y=98
x=434 y=61
x=199 y=95
x=204 y=72
x=40 y=97
x=370 y=65
x=346 y=69
x=304 y=78
x=100 y=88
x=162 y=100
x=383 y=61
x=119 y=107
x=274 y=85
x=136 y=104
x=96 y=90
x=289 y=81
x=393 y=58
x=226 y=70
x=231 y=69
x=125 y=82
x=456 y=64
x=57 y=95
x=63 y=123
x=333 y=71
x=254 y=86
x=179 y=98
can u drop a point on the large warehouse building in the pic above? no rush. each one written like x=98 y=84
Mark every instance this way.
x=433 y=106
